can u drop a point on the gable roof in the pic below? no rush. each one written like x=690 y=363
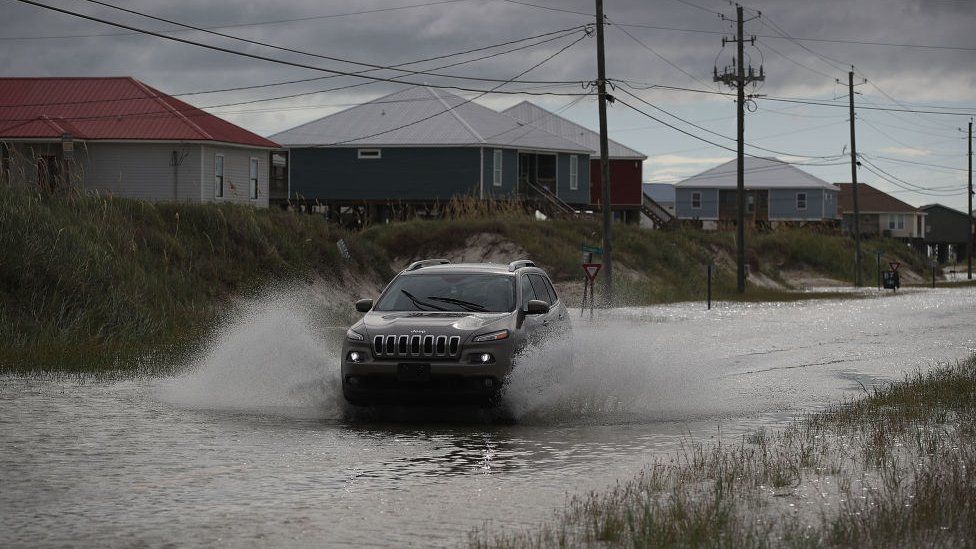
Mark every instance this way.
x=760 y=173
x=870 y=200
x=530 y=113
x=421 y=116
x=110 y=108
x=943 y=207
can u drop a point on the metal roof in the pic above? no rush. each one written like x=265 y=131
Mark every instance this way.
x=112 y=108
x=425 y=117
x=530 y=113
x=760 y=173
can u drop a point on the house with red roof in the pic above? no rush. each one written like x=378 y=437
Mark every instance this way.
x=118 y=136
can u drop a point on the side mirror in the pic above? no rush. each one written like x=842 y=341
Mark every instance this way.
x=536 y=307
x=364 y=305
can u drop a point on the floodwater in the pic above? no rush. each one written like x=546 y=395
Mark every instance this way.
x=252 y=445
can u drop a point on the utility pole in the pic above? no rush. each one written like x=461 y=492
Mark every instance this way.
x=857 y=208
x=601 y=84
x=739 y=80
x=969 y=268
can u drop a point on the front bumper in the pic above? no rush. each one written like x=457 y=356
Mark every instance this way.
x=417 y=381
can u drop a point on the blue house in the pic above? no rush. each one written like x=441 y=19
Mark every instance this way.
x=421 y=146
x=776 y=192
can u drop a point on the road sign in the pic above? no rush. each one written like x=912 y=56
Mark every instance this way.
x=592 y=250
x=591 y=269
x=894 y=266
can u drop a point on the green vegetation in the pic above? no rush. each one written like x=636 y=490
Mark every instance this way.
x=895 y=469
x=91 y=282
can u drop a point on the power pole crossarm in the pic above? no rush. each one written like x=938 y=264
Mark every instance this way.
x=601 y=82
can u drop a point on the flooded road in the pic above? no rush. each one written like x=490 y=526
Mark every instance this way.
x=253 y=446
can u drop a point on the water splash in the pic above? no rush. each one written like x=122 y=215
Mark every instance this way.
x=274 y=354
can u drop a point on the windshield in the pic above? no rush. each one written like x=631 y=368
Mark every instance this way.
x=479 y=293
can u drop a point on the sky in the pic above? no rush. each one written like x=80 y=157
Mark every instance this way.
x=917 y=55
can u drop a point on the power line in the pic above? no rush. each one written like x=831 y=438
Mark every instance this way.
x=550 y=8
x=658 y=55
x=559 y=34
x=917 y=163
x=302 y=52
x=831 y=157
x=240 y=25
x=244 y=54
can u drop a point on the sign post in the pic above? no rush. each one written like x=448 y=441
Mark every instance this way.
x=891 y=279
x=590 y=270
x=879 y=252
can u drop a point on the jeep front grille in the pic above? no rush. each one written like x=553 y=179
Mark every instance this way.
x=416 y=346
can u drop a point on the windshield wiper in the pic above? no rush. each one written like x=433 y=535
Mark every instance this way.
x=466 y=305
x=419 y=304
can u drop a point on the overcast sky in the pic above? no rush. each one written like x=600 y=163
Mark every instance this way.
x=37 y=42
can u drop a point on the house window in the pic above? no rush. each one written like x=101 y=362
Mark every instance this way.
x=750 y=203
x=370 y=154
x=896 y=222
x=496 y=179
x=801 y=201
x=696 y=201
x=573 y=173
x=219 y=175
x=253 y=179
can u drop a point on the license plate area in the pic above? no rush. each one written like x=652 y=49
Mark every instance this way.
x=412 y=372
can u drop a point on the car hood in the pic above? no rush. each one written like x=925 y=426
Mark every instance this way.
x=432 y=323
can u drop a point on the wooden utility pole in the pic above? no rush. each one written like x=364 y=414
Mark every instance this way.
x=601 y=84
x=857 y=208
x=739 y=81
x=969 y=268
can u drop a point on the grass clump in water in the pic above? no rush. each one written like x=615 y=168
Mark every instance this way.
x=894 y=469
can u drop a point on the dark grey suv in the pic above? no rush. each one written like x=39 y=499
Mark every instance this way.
x=443 y=331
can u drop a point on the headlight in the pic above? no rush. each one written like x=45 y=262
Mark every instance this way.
x=354 y=335
x=493 y=336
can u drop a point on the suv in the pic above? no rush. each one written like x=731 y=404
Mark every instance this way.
x=448 y=331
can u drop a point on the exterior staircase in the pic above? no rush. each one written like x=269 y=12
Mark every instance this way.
x=661 y=218
x=548 y=203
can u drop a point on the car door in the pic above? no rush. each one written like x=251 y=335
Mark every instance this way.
x=531 y=324
x=558 y=318
x=551 y=320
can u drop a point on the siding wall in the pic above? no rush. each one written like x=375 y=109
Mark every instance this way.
x=581 y=195
x=682 y=204
x=509 y=173
x=403 y=173
x=144 y=171
x=821 y=204
x=626 y=179
x=237 y=170
x=782 y=204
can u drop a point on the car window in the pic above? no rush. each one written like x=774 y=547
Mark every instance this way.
x=552 y=291
x=528 y=293
x=472 y=292
x=540 y=288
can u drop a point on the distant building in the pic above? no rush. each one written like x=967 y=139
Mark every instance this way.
x=946 y=231
x=626 y=164
x=121 y=137
x=776 y=192
x=881 y=214
x=421 y=146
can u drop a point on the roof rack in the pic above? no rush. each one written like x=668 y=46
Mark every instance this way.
x=426 y=263
x=519 y=263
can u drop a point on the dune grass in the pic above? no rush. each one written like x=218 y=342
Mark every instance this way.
x=90 y=282
x=894 y=469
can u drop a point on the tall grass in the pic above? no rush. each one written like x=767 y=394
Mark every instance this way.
x=895 y=469
x=92 y=278
x=83 y=275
